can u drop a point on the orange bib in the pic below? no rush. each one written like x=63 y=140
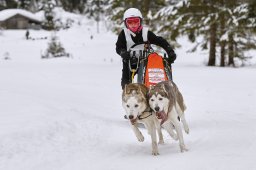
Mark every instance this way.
x=155 y=72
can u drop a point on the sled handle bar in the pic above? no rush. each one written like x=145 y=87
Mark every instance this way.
x=133 y=53
x=134 y=45
x=147 y=46
x=141 y=54
x=147 y=49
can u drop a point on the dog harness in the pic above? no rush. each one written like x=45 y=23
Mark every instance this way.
x=140 y=117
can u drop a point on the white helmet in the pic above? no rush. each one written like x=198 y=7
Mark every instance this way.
x=133 y=15
x=132 y=12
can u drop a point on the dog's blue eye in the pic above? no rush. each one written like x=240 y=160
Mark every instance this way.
x=160 y=98
x=136 y=105
x=127 y=106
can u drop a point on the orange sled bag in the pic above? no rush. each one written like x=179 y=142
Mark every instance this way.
x=155 y=72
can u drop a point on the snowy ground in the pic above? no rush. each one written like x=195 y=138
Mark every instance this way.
x=66 y=114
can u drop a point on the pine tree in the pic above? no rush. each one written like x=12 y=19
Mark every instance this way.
x=182 y=18
x=76 y=6
x=55 y=49
x=239 y=30
x=96 y=9
x=30 y=5
x=11 y=4
x=48 y=6
x=220 y=22
x=115 y=12
x=25 y=4
x=2 y=4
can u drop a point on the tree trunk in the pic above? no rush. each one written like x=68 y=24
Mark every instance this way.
x=222 y=53
x=231 y=50
x=223 y=42
x=212 y=55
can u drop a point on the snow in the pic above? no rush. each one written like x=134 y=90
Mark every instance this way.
x=8 y=13
x=66 y=113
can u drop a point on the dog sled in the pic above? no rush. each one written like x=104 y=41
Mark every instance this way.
x=150 y=64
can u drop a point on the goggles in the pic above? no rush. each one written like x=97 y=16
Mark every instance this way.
x=133 y=21
x=133 y=24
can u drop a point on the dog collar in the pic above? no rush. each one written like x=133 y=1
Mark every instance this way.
x=140 y=117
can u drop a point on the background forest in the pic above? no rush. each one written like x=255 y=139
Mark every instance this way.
x=225 y=29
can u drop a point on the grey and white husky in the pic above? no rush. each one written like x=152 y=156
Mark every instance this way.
x=167 y=102
x=135 y=103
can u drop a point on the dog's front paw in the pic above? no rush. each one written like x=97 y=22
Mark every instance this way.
x=140 y=138
x=154 y=149
x=186 y=128
x=183 y=148
x=155 y=152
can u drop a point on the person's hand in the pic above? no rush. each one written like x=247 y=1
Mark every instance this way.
x=125 y=55
x=171 y=57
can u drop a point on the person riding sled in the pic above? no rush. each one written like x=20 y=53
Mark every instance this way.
x=135 y=33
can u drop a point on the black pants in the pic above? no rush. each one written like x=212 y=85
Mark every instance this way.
x=126 y=74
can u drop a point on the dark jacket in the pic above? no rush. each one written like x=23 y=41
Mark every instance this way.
x=152 y=38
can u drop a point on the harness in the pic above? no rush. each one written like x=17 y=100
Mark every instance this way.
x=141 y=117
x=128 y=38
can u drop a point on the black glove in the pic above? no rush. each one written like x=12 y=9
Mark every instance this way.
x=171 y=57
x=125 y=55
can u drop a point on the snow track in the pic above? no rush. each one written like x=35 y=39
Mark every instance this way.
x=65 y=114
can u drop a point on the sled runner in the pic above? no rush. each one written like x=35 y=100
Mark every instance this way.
x=150 y=66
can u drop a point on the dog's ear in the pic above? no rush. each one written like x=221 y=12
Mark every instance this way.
x=149 y=93
x=163 y=87
x=126 y=90
x=140 y=92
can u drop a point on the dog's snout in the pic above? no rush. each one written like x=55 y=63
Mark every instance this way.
x=157 y=108
x=130 y=116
